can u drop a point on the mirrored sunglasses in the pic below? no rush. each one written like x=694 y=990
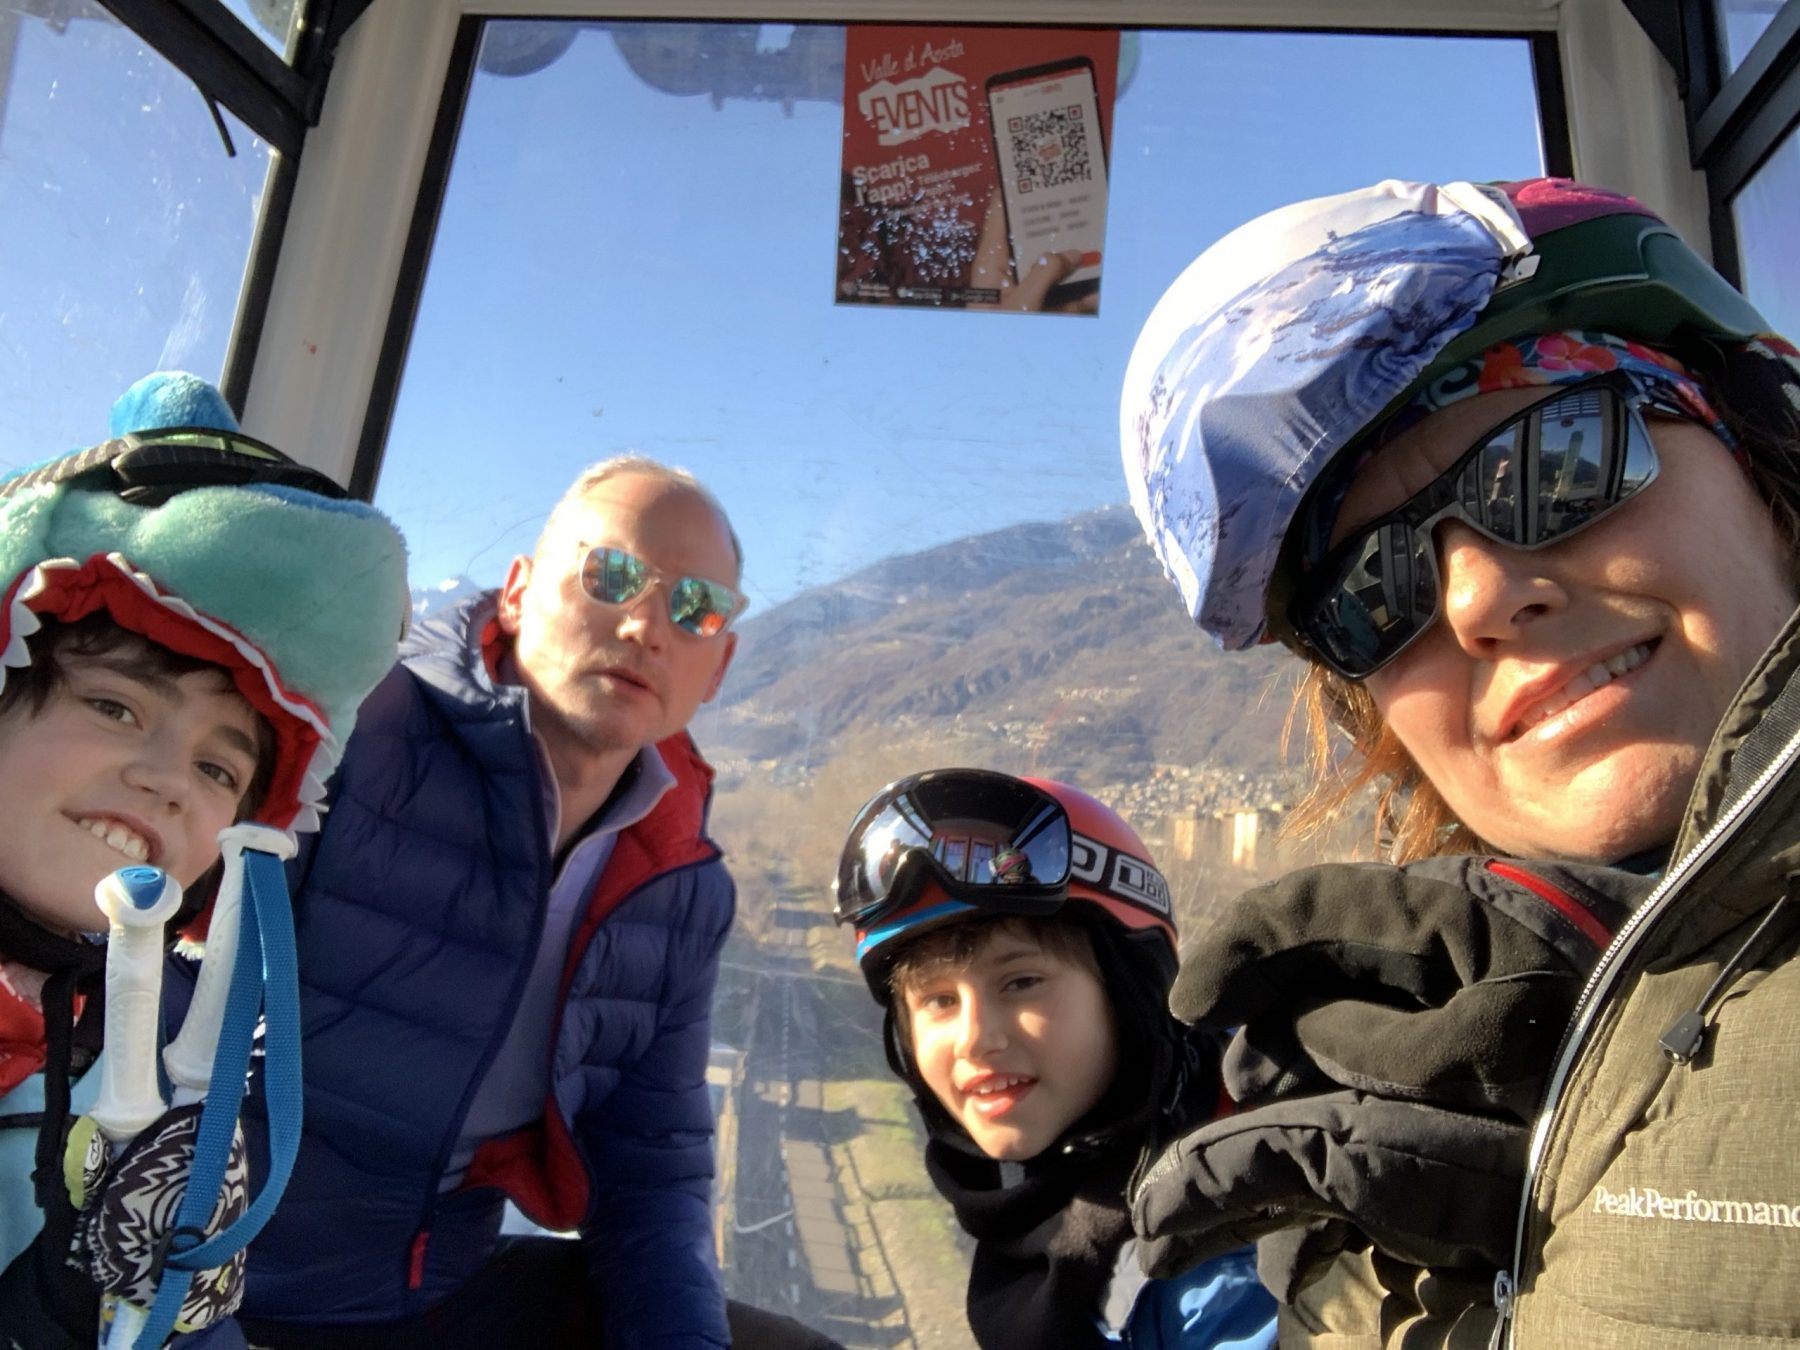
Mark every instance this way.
x=698 y=606
x=1537 y=478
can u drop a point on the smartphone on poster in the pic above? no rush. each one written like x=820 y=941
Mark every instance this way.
x=1051 y=152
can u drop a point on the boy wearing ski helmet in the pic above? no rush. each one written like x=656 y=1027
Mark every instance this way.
x=1020 y=942
x=188 y=621
x=1514 y=472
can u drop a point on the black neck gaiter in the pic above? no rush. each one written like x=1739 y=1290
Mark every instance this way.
x=73 y=967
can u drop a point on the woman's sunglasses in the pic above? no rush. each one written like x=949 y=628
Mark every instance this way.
x=1534 y=480
x=698 y=606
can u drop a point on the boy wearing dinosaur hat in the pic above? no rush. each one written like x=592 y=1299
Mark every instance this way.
x=188 y=621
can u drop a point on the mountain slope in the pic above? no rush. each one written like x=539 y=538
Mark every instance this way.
x=1063 y=639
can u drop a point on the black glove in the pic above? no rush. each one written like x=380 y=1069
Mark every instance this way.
x=1427 y=1185
x=1449 y=981
x=1394 y=1026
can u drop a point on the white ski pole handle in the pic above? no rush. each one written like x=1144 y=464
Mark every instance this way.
x=189 y=1057
x=138 y=902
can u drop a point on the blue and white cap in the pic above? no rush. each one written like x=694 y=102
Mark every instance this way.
x=1274 y=350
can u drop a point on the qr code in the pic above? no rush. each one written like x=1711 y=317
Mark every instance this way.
x=1049 y=148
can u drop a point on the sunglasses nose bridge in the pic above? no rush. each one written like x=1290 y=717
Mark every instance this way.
x=654 y=593
x=1489 y=590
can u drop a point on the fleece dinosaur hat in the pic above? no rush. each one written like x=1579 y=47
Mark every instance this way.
x=298 y=594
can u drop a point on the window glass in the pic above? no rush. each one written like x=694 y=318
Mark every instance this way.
x=1765 y=225
x=637 y=252
x=1741 y=23
x=127 y=226
x=274 y=21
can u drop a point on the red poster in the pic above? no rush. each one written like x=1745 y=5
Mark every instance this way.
x=974 y=171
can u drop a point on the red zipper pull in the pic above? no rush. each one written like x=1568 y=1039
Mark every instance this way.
x=415 y=1266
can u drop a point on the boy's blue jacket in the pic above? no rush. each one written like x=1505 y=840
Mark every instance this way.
x=1218 y=1305
x=418 y=913
x=1059 y=1266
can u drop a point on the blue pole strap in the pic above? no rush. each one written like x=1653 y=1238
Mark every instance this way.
x=265 y=981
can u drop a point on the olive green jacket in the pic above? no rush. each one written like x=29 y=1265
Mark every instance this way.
x=1663 y=1205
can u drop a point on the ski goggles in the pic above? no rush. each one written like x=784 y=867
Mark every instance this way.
x=1539 y=477
x=984 y=837
x=698 y=606
x=148 y=468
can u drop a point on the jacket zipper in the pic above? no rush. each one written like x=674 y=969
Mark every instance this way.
x=1503 y=1292
x=1599 y=983
x=415 y=1255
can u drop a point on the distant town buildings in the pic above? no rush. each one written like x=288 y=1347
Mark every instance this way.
x=1201 y=813
x=1185 y=813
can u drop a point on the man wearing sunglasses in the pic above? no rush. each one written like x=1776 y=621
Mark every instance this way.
x=509 y=935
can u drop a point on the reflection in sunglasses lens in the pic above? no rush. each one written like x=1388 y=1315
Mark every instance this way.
x=615 y=577
x=1572 y=441
x=1492 y=484
x=620 y=576
x=1554 y=470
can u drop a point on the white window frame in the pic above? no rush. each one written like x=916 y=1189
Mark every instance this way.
x=314 y=382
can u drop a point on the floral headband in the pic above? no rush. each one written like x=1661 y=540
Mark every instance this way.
x=1540 y=360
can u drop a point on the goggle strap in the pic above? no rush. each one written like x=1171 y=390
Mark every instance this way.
x=61 y=470
x=275 y=466
x=1127 y=879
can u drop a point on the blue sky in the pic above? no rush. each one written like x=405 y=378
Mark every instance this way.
x=619 y=268
x=126 y=227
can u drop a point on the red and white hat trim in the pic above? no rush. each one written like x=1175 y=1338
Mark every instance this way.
x=307 y=751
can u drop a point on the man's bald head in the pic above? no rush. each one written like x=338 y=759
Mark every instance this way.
x=610 y=677
x=591 y=479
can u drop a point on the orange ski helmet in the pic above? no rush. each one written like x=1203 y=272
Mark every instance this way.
x=940 y=846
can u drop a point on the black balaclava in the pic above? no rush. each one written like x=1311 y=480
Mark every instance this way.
x=74 y=967
x=61 y=1301
x=1049 y=1231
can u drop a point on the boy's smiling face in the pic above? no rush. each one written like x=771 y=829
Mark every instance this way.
x=118 y=766
x=1017 y=1042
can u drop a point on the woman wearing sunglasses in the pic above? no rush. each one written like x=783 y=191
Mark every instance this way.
x=1517 y=475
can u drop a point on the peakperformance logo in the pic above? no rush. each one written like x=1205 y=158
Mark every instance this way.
x=1647 y=1202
